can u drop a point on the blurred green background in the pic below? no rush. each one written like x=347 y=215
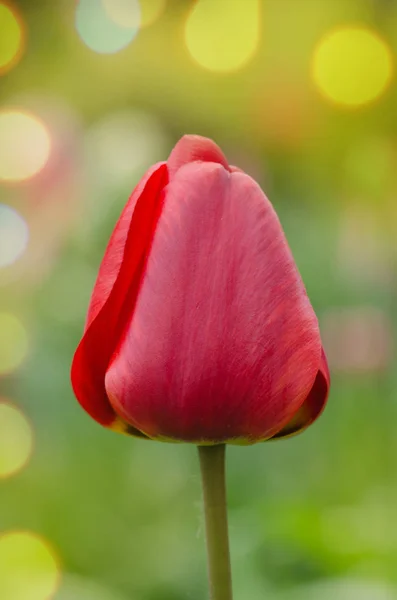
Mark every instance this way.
x=299 y=93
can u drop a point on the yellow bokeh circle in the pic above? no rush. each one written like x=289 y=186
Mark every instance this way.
x=222 y=39
x=11 y=38
x=352 y=66
x=24 y=145
x=13 y=343
x=151 y=10
x=29 y=567
x=16 y=440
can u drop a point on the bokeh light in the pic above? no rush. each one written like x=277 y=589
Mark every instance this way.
x=13 y=343
x=123 y=144
x=282 y=110
x=11 y=38
x=14 y=235
x=29 y=567
x=352 y=66
x=220 y=38
x=24 y=145
x=131 y=13
x=16 y=440
x=101 y=31
x=358 y=339
x=362 y=251
x=118 y=150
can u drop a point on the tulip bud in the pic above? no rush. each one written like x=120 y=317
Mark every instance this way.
x=199 y=327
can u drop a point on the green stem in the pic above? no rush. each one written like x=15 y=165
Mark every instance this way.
x=212 y=463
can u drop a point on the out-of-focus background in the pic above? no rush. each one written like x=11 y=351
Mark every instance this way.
x=299 y=93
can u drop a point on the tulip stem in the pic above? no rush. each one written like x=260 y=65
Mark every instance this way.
x=212 y=464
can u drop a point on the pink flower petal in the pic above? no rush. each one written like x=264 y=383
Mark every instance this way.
x=114 y=254
x=115 y=293
x=223 y=344
x=313 y=405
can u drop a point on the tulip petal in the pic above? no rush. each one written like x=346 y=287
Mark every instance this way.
x=114 y=254
x=191 y=148
x=312 y=407
x=223 y=344
x=115 y=293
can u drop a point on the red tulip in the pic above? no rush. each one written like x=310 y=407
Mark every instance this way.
x=199 y=327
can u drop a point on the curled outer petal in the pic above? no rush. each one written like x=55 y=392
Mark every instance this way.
x=114 y=296
x=312 y=406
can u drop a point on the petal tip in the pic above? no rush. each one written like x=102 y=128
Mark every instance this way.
x=192 y=148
